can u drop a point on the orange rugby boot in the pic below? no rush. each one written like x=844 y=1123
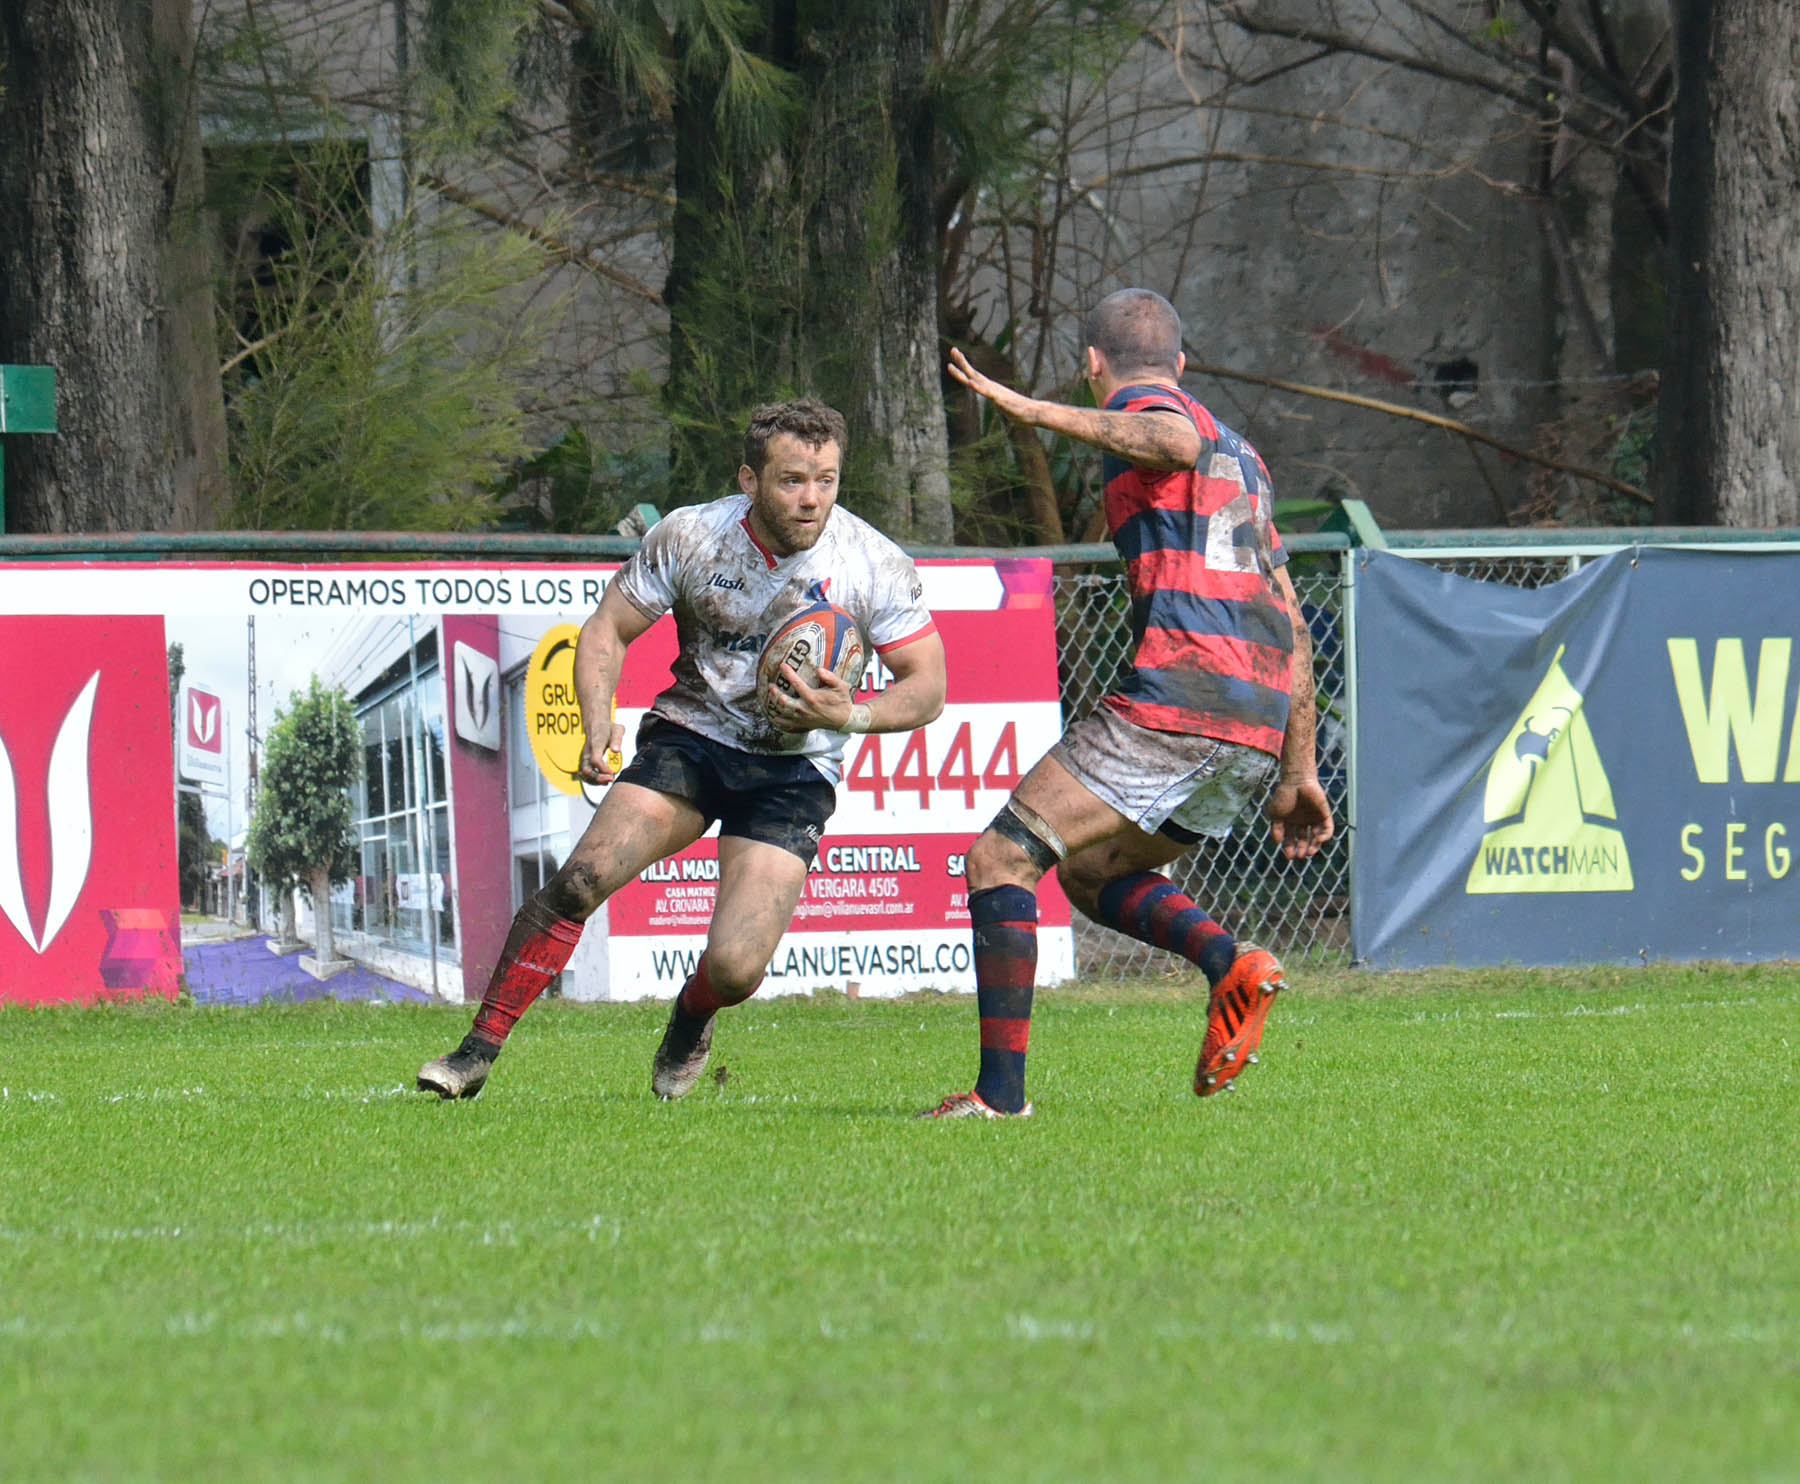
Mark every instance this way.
x=1234 y=1019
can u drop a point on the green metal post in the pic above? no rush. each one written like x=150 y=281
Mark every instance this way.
x=27 y=405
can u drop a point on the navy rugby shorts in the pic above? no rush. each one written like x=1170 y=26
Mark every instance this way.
x=782 y=801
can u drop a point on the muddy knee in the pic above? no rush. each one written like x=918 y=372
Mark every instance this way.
x=574 y=892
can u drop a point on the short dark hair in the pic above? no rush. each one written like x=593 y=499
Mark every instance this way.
x=807 y=419
x=1136 y=330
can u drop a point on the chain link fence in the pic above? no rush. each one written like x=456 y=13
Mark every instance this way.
x=1511 y=571
x=1300 y=911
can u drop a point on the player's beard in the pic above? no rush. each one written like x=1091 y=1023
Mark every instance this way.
x=789 y=535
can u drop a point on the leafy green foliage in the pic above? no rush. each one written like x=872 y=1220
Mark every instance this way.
x=580 y=488
x=998 y=64
x=478 y=60
x=1456 y=1226
x=470 y=52
x=986 y=491
x=304 y=818
x=377 y=341
x=377 y=406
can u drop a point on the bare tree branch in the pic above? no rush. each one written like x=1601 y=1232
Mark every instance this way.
x=1431 y=419
x=566 y=251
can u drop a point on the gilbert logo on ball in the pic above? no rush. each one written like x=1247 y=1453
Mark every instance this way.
x=821 y=636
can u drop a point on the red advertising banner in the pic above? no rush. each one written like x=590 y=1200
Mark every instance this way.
x=88 y=897
x=886 y=907
x=463 y=803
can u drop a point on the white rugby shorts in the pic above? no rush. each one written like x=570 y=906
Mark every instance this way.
x=1183 y=786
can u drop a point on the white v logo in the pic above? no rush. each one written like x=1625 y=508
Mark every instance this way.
x=71 y=824
x=205 y=719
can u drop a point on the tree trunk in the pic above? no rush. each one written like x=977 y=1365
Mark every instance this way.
x=324 y=949
x=812 y=267
x=105 y=267
x=871 y=320
x=289 y=934
x=1729 y=426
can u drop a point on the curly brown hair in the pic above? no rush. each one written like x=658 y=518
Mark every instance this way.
x=807 y=419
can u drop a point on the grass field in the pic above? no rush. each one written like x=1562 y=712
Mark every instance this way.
x=1521 y=1226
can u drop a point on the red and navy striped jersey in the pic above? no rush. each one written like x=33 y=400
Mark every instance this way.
x=1212 y=641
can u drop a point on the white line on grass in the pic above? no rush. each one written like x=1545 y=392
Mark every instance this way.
x=1025 y=1327
x=337 y=1330
x=303 y=1233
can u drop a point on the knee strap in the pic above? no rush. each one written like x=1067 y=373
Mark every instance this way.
x=1031 y=832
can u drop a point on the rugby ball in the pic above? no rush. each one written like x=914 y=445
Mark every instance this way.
x=821 y=636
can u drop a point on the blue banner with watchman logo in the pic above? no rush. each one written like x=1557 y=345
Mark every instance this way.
x=1606 y=769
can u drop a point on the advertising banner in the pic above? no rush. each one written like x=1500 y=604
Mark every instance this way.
x=886 y=907
x=88 y=896
x=200 y=747
x=461 y=678
x=1604 y=770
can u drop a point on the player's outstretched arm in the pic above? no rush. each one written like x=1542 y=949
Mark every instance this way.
x=915 y=698
x=1146 y=440
x=599 y=659
x=1299 y=814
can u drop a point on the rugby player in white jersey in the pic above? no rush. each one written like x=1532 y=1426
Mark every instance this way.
x=730 y=571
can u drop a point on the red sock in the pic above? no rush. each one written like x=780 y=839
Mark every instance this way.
x=701 y=999
x=536 y=950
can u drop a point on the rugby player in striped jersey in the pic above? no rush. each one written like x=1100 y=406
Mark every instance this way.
x=1215 y=708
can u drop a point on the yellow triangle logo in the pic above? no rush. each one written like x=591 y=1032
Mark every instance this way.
x=1546 y=795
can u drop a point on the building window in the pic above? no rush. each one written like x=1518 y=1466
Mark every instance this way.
x=538 y=846
x=402 y=894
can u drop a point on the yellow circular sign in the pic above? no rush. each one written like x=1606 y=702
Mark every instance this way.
x=552 y=716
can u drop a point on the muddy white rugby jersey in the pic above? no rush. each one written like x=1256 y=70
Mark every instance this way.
x=728 y=594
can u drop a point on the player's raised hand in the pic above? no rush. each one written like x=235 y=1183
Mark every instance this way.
x=1299 y=818
x=799 y=707
x=1013 y=404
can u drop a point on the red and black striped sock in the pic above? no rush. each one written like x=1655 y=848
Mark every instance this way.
x=700 y=999
x=1152 y=909
x=1005 y=922
x=536 y=951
